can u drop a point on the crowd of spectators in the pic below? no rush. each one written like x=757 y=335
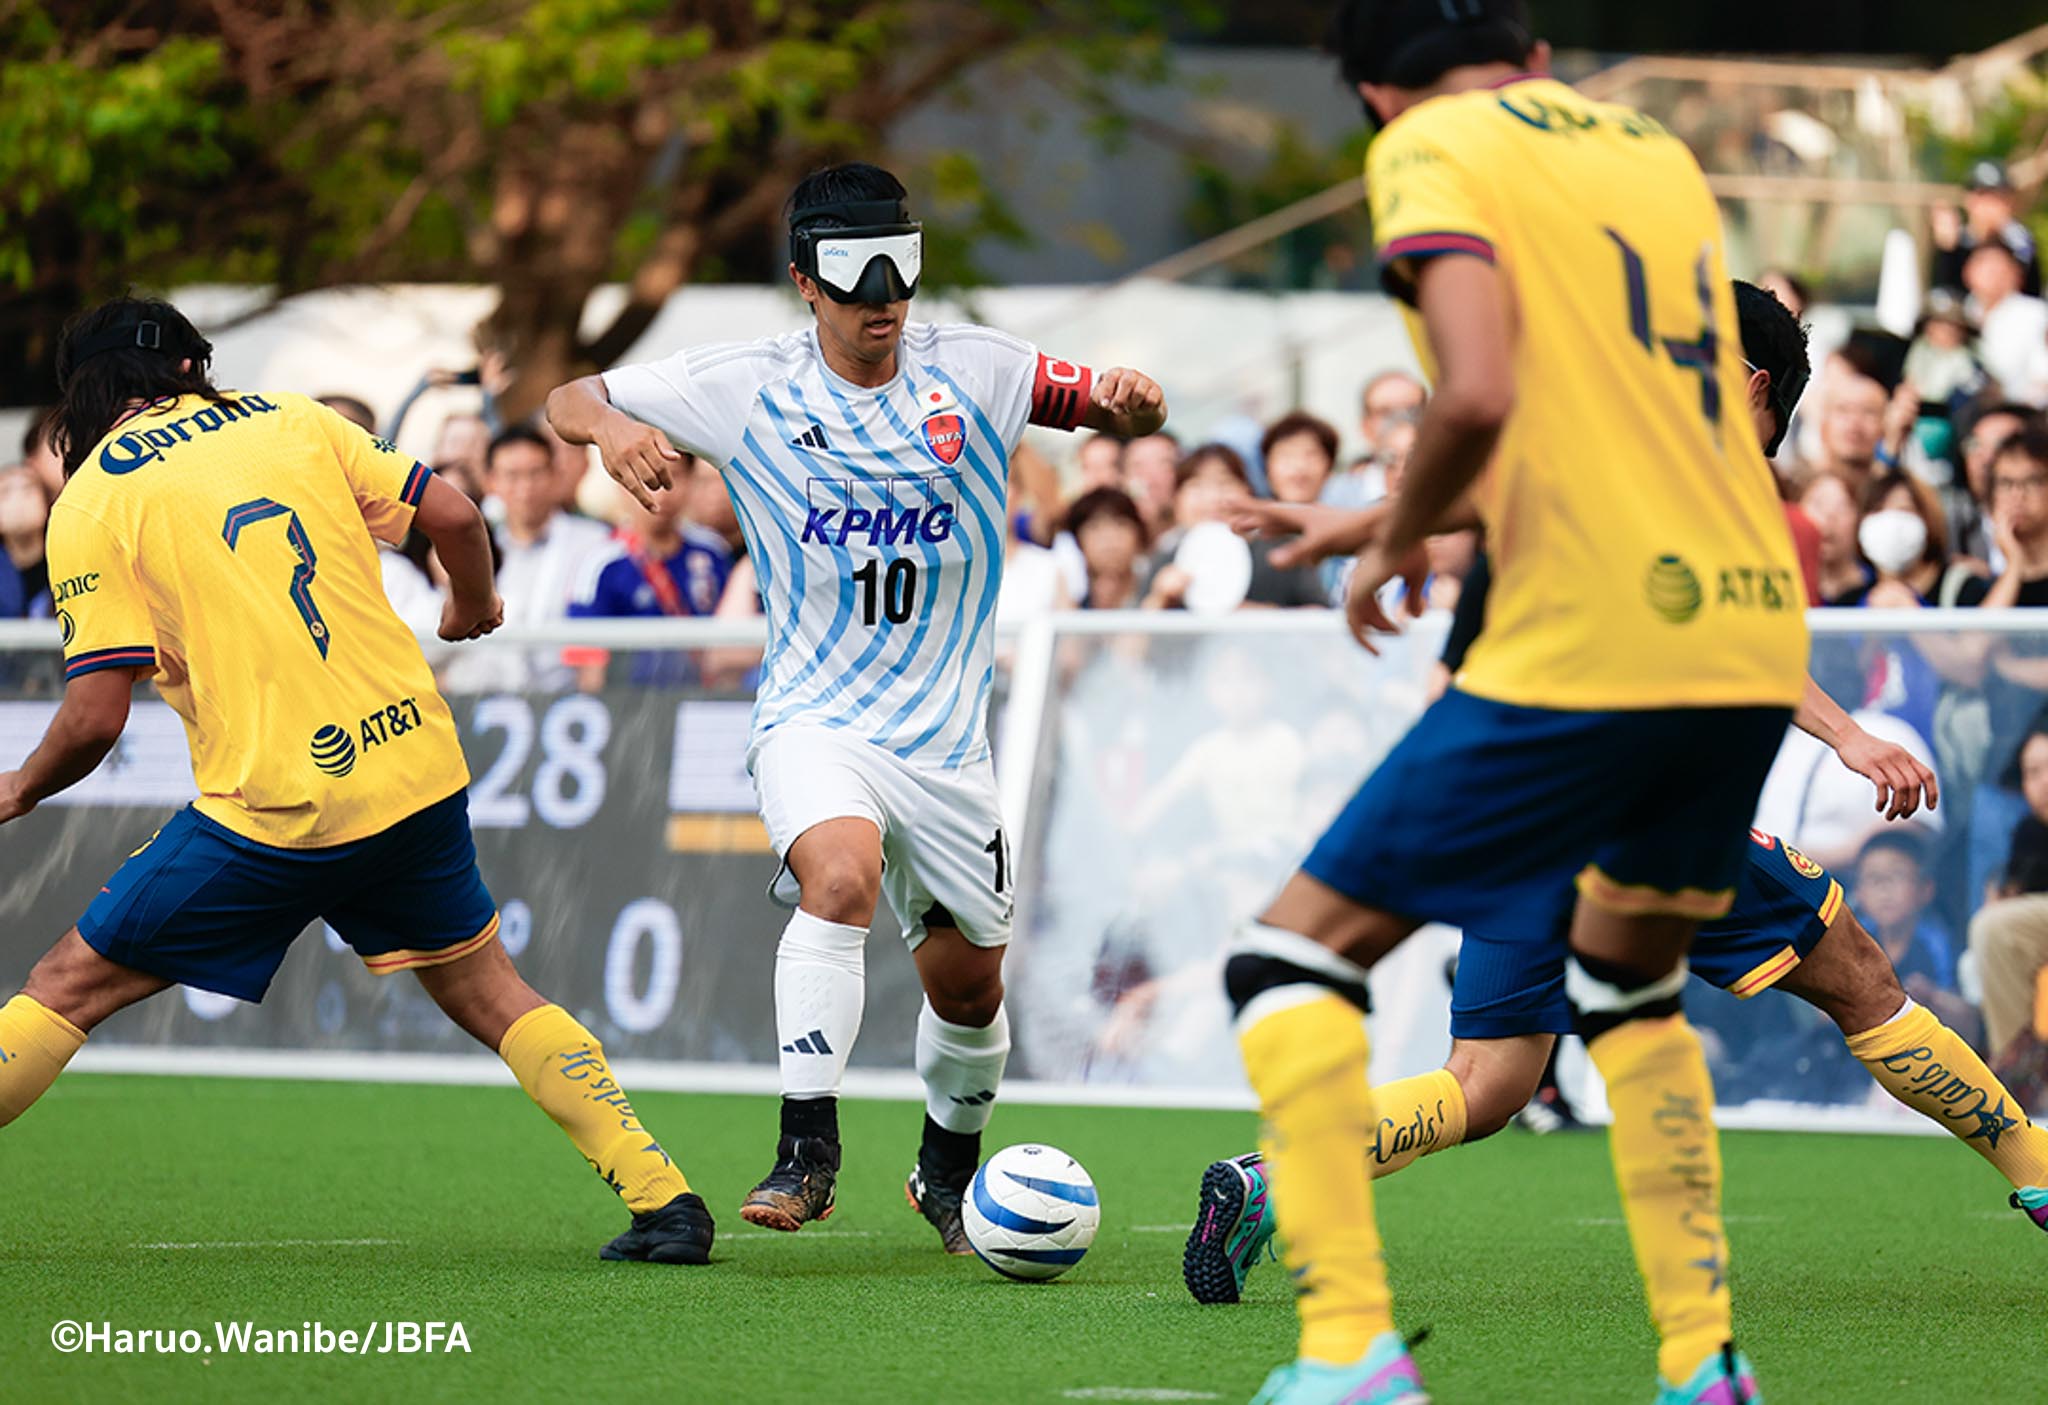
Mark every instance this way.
x=1915 y=477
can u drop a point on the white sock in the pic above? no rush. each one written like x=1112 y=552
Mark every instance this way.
x=820 y=988
x=961 y=1067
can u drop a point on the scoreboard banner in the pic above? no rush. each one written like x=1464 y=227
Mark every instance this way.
x=1162 y=775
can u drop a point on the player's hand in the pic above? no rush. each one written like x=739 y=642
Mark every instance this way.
x=1134 y=401
x=1903 y=784
x=1319 y=532
x=461 y=621
x=1362 y=608
x=13 y=803
x=637 y=455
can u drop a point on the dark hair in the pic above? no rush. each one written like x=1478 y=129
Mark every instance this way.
x=2029 y=440
x=1300 y=422
x=353 y=410
x=516 y=434
x=1774 y=341
x=1107 y=502
x=1413 y=43
x=1925 y=505
x=124 y=350
x=831 y=185
x=41 y=425
x=1876 y=356
x=1903 y=839
x=1202 y=453
x=1982 y=409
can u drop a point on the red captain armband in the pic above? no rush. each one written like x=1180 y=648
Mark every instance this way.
x=1059 y=393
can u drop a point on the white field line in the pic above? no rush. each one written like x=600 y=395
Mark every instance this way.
x=900 y=1085
x=653 y=1075
x=273 y=1244
x=1124 y=1392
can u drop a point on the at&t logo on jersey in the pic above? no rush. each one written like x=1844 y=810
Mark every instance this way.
x=889 y=512
x=333 y=751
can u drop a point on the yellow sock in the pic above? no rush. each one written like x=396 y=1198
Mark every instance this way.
x=1927 y=1066
x=1667 y=1161
x=1415 y=1117
x=35 y=1044
x=1307 y=1062
x=562 y=1067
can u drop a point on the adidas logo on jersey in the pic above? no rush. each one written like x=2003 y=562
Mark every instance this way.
x=981 y=1099
x=812 y=1043
x=812 y=438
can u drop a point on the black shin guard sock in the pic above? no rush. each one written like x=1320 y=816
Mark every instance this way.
x=811 y=1117
x=1623 y=998
x=948 y=1155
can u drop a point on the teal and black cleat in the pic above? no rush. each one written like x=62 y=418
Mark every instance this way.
x=2034 y=1201
x=677 y=1233
x=1725 y=1378
x=1385 y=1375
x=1233 y=1227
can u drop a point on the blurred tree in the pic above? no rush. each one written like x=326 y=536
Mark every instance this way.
x=544 y=146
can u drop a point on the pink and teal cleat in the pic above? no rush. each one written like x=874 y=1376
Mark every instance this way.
x=1725 y=1378
x=1233 y=1225
x=1385 y=1375
x=2033 y=1200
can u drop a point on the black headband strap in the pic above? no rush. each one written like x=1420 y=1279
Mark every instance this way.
x=851 y=213
x=146 y=335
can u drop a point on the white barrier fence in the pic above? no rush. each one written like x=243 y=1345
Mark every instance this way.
x=1161 y=774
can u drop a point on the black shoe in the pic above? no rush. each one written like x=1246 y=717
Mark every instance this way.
x=937 y=1197
x=803 y=1187
x=678 y=1233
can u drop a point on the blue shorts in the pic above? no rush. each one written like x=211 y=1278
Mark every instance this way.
x=1486 y=812
x=202 y=906
x=1784 y=903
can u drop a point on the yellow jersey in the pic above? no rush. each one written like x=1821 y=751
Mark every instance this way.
x=1640 y=554
x=228 y=545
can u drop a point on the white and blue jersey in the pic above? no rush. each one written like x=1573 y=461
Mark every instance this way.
x=874 y=516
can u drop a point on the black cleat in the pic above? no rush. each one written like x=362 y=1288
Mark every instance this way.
x=804 y=1185
x=677 y=1233
x=938 y=1199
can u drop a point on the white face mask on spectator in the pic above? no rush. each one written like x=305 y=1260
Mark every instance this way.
x=1892 y=539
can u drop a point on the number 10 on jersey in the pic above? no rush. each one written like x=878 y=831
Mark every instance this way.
x=890 y=595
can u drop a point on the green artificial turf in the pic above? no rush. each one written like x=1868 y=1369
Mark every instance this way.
x=1865 y=1268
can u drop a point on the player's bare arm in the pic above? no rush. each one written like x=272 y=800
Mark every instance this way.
x=1900 y=779
x=1465 y=314
x=1126 y=403
x=638 y=456
x=87 y=724
x=451 y=522
x=1321 y=533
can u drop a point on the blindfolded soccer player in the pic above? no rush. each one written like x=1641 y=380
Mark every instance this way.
x=868 y=459
x=221 y=544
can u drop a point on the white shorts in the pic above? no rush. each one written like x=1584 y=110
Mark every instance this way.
x=944 y=853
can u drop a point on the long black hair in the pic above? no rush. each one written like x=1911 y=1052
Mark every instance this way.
x=122 y=351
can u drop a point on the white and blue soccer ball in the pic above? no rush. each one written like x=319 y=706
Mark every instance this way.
x=1031 y=1212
